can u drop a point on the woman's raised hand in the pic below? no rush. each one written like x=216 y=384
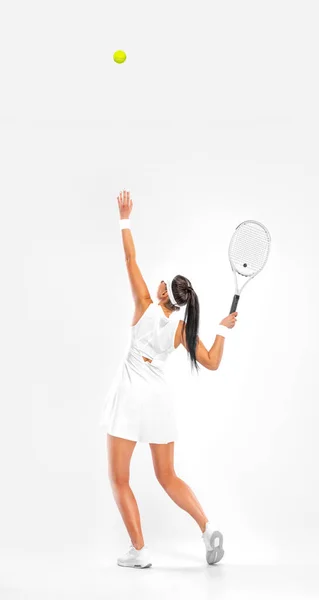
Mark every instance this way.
x=125 y=204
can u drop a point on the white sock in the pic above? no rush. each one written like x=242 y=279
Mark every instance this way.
x=138 y=550
x=207 y=534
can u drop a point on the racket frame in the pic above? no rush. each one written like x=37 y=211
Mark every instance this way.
x=234 y=270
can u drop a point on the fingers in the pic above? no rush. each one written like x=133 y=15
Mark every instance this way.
x=125 y=198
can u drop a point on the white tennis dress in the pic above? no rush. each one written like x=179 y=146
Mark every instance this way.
x=139 y=405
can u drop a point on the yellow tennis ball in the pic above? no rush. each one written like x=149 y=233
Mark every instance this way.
x=119 y=56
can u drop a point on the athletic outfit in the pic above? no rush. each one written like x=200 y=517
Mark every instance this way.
x=139 y=404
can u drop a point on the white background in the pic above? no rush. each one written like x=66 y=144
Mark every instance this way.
x=212 y=119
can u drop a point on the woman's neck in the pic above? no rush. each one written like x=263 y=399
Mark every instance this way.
x=165 y=310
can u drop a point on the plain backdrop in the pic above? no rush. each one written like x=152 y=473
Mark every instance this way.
x=211 y=120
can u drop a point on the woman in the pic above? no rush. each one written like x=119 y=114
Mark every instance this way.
x=139 y=407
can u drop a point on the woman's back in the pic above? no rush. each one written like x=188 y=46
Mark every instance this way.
x=139 y=405
x=154 y=334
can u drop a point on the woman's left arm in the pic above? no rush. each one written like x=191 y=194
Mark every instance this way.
x=125 y=207
x=139 y=288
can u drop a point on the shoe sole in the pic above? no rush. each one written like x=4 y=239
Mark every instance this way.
x=136 y=566
x=216 y=554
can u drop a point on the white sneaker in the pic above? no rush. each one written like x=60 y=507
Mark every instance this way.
x=135 y=558
x=214 y=553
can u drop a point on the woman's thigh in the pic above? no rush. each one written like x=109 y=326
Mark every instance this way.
x=119 y=451
x=163 y=460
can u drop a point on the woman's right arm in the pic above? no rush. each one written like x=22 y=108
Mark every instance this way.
x=216 y=351
x=211 y=359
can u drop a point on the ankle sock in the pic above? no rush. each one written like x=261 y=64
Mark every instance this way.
x=207 y=534
x=139 y=549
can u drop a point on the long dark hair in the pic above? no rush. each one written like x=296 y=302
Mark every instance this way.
x=184 y=294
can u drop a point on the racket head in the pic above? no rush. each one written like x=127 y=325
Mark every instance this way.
x=249 y=248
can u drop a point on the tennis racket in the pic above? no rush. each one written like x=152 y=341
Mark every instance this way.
x=248 y=253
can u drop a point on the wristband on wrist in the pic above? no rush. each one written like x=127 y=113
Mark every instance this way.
x=222 y=330
x=125 y=224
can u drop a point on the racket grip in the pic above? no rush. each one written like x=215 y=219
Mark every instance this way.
x=234 y=303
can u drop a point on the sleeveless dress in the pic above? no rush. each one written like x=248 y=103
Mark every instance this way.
x=139 y=405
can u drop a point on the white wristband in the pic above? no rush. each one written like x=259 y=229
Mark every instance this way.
x=125 y=224
x=222 y=330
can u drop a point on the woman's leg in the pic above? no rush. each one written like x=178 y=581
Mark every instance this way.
x=176 y=488
x=120 y=452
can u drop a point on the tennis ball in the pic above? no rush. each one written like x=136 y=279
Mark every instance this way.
x=119 y=56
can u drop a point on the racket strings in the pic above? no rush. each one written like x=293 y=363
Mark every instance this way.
x=245 y=253
x=249 y=248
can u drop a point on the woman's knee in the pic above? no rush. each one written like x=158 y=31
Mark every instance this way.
x=163 y=462
x=118 y=480
x=165 y=477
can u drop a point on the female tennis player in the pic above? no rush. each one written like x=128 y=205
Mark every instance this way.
x=139 y=406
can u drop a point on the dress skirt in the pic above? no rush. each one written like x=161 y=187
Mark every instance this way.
x=139 y=405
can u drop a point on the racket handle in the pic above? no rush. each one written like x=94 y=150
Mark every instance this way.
x=234 y=303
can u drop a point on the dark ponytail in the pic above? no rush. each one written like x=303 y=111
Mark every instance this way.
x=184 y=294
